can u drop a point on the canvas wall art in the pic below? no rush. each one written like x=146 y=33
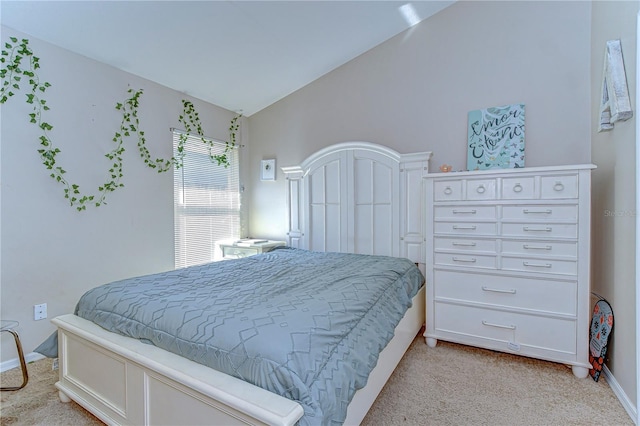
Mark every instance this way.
x=496 y=138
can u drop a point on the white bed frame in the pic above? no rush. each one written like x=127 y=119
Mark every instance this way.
x=123 y=381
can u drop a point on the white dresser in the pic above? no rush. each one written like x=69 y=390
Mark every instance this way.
x=508 y=261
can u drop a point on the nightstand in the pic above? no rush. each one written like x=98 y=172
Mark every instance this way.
x=247 y=247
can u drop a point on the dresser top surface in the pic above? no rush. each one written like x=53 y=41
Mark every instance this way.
x=524 y=170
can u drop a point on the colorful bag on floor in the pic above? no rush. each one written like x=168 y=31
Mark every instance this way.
x=601 y=327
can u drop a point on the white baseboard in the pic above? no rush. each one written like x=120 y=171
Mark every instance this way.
x=15 y=362
x=628 y=405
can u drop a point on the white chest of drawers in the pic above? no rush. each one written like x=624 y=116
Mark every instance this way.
x=508 y=261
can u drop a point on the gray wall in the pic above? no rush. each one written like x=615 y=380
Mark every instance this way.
x=413 y=93
x=52 y=253
x=614 y=193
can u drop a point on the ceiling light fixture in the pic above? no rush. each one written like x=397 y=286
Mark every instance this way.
x=409 y=14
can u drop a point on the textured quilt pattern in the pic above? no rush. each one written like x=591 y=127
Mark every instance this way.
x=306 y=325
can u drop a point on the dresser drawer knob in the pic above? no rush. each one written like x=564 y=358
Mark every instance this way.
x=481 y=189
x=490 y=324
x=498 y=290
x=533 y=229
x=558 y=186
x=527 y=211
x=517 y=188
x=537 y=265
x=448 y=190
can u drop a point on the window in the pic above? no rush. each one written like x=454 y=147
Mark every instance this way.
x=206 y=202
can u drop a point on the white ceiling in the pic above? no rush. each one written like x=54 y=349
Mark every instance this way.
x=240 y=55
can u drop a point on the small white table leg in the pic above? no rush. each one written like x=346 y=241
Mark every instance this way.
x=431 y=342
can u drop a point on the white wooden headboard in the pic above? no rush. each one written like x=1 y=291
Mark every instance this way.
x=358 y=197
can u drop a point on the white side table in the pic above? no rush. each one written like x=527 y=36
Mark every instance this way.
x=9 y=326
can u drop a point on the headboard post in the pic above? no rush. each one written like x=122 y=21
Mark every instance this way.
x=294 y=205
x=413 y=167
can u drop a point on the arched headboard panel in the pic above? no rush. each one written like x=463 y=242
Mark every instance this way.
x=358 y=197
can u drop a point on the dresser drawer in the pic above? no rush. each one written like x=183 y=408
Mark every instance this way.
x=481 y=189
x=540 y=248
x=447 y=190
x=229 y=252
x=520 y=330
x=520 y=188
x=545 y=266
x=466 y=228
x=465 y=260
x=541 y=230
x=563 y=186
x=513 y=292
x=540 y=212
x=464 y=244
x=465 y=212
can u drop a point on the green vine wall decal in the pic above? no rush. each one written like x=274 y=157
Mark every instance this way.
x=13 y=73
x=191 y=122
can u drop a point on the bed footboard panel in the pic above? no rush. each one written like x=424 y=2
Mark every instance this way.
x=123 y=381
x=99 y=380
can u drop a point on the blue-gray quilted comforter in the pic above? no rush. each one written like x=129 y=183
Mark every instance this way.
x=306 y=325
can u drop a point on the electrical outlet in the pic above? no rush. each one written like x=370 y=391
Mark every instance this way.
x=40 y=311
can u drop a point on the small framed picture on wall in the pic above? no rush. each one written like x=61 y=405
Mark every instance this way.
x=268 y=169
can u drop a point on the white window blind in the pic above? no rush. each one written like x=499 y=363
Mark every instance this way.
x=206 y=202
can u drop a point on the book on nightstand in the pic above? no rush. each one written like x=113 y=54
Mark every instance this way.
x=248 y=242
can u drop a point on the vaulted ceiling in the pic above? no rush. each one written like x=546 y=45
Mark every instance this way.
x=240 y=55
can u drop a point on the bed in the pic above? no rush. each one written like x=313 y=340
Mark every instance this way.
x=124 y=375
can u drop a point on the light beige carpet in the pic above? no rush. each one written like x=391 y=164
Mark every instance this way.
x=447 y=385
